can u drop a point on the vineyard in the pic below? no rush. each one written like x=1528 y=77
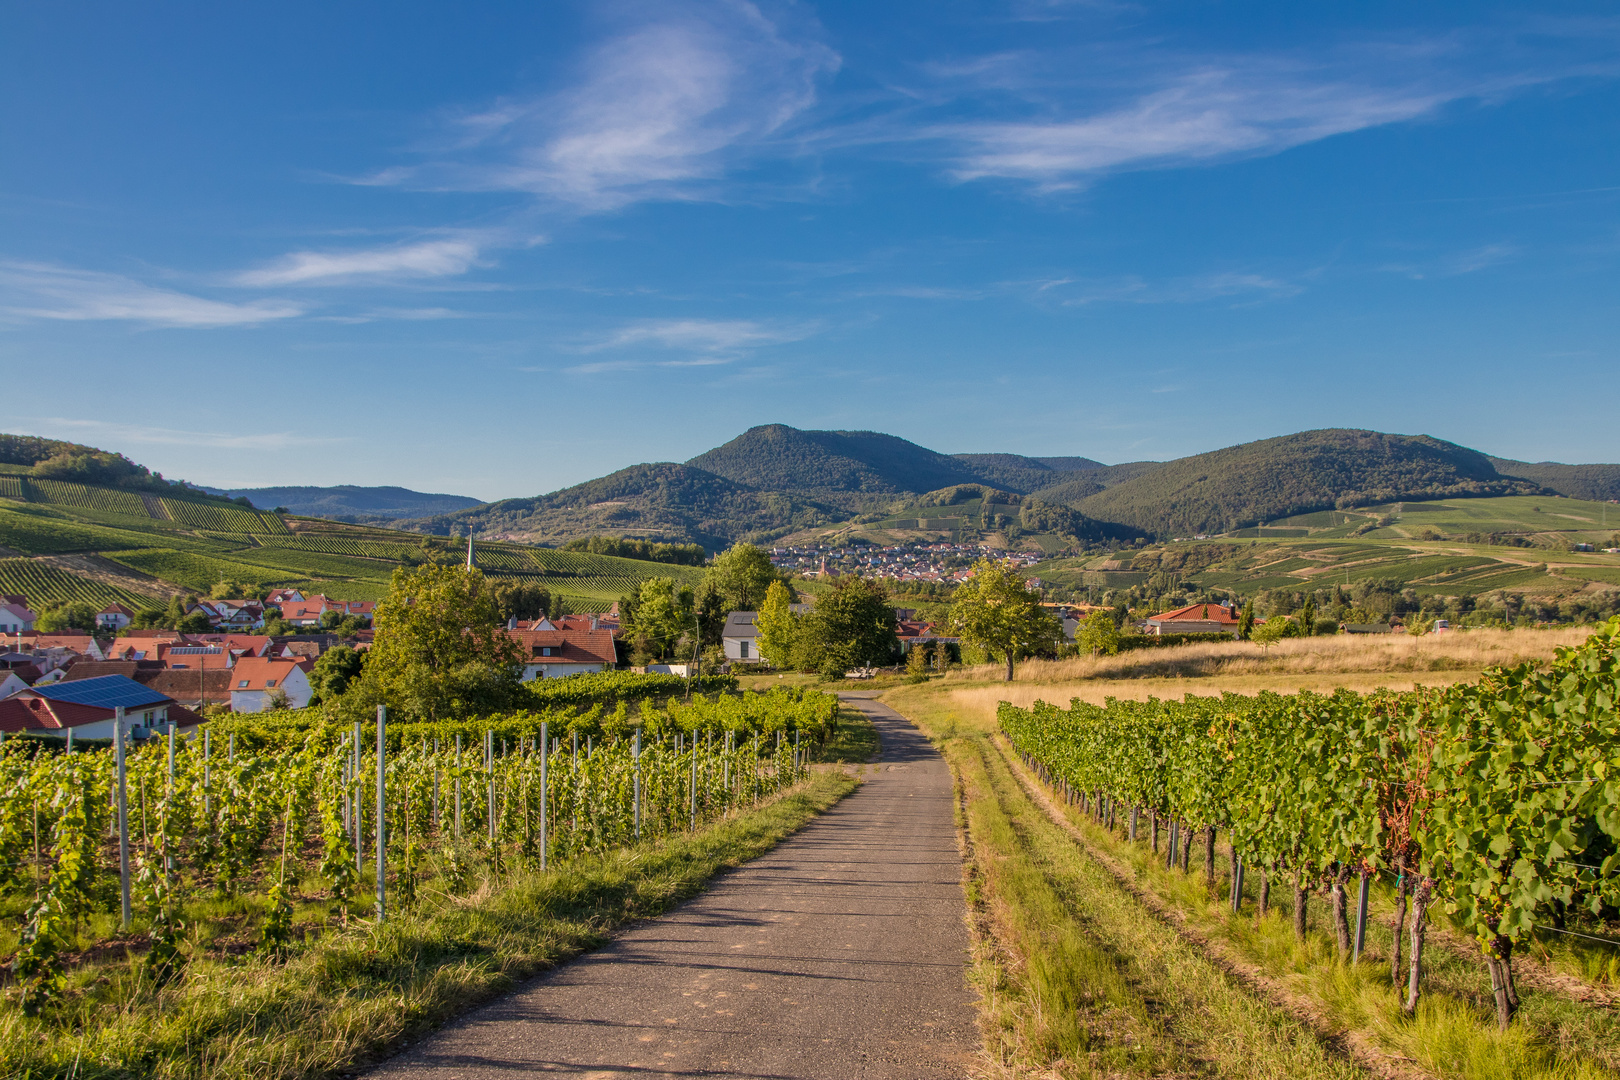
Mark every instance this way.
x=220 y=517
x=193 y=545
x=47 y=584
x=97 y=844
x=1495 y=804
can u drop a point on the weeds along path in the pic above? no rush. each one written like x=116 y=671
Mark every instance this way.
x=1260 y=1011
x=840 y=954
x=1087 y=982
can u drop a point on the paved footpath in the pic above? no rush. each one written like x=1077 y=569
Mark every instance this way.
x=840 y=954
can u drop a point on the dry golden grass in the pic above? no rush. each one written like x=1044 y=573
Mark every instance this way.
x=1381 y=653
x=1321 y=664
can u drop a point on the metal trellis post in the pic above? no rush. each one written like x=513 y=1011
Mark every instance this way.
x=123 y=811
x=545 y=748
x=382 y=818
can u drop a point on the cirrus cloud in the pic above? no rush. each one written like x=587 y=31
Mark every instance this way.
x=44 y=291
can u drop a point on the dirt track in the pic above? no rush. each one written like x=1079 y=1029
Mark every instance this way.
x=840 y=954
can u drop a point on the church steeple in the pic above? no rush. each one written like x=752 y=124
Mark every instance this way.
x=472 y=564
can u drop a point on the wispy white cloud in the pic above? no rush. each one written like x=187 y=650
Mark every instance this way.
x=684 y=343
x=699 y=335
x=656 y=111
x=1209 y=115
x=1237 y=285
x=426 y=259
x=43 y=291
x=1058 y=119
x=147 y=435
x=1457 y=263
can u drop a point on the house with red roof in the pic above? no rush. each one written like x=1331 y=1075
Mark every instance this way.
x=256 y=681
x=550 y=652
x=88 y=709
x=1196 y=619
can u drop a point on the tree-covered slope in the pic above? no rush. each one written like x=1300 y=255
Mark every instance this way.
x=663 y=501
x=775 y=457
x=347 y=502
x=1014 y=472
x=1600 y=483
x=1313 y=470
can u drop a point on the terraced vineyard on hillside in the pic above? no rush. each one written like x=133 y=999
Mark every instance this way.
x=168 y=544
x=1437 y=548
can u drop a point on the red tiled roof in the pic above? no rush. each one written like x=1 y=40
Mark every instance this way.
x=116 y=609
x=95 y=669
x=125 y=646
x=567 y=646
x=182 y=685
x=264 y=672
x=1197 y=613
x=25 y=713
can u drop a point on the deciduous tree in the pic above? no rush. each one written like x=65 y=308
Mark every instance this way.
x=441 y=650
x=996 y=611
x=778 y=626
x=1099 y=634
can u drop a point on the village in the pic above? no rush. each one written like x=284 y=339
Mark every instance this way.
x=939 y=563
x=72 y=683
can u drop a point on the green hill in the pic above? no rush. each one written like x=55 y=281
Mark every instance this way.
x=1260 y=481
x=1600 y=482
x=775 y=457
x=663 y=502
x=62 y=541
x=346 y=502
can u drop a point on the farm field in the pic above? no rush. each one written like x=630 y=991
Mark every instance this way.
x=1097 y=949
x=177 y=545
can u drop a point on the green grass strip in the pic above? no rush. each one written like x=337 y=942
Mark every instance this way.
x=1106 y=988
x=357 y=994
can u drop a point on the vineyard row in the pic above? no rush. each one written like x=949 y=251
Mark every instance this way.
x=1499 y=801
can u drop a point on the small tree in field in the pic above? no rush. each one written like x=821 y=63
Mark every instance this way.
x=996 y=611
x=1270 y=632
x=1099 y=634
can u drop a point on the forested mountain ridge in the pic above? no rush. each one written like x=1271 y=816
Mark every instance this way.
x=775 y=457
x=346 y=502
x=1295 y=474
x=661 y=501
x=774 y=479
x=1597 y=482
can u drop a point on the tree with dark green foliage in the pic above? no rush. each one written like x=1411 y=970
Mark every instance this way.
x=995 y=610
x=524 y=601
x=852 y=626
x=1246 y=621
x=441 y=650
x=665 y=611
x=741 y=575
x=334 y=670
x=194 y=623
x=66 y=617
x=647 y=550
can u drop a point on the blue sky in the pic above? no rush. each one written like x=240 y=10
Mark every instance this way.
x=496 y=249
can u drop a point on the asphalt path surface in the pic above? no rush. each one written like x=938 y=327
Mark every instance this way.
x=841 y=953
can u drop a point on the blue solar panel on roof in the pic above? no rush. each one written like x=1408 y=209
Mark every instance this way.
x=105 y=691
